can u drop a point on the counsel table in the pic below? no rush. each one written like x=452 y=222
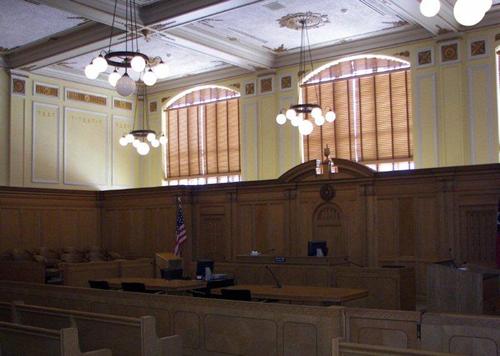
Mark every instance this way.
x=176 y=285
x=324 y=295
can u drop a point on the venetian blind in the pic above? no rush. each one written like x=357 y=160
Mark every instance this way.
x=203 y=135
x=373 y=123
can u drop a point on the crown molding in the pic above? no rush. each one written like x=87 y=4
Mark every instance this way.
x=381 y=41
x=198 y=79
x=72 y=77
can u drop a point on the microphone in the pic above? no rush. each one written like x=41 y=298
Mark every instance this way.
x=276 y=280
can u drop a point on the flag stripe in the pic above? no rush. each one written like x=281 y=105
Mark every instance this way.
x=180 y=229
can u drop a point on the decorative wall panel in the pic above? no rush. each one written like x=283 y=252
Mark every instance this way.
x=45 y=143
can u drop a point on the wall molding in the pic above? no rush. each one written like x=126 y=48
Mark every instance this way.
x=35 y=179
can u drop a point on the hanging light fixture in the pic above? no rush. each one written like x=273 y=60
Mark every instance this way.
x=143 y=138
x=466 y=12
x=131 y=58
x=297 y=114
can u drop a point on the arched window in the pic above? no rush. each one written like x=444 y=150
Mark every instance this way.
x=203 y=130
x=371 y=96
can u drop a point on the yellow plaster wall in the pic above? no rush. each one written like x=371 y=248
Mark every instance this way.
x=455 y=116
x=56 y=142
x=4 y=127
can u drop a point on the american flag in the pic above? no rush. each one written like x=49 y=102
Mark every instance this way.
x=180 y=229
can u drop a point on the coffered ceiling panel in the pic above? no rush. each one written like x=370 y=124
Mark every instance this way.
x=22 y=22
x=181 y=61
x=259 y=24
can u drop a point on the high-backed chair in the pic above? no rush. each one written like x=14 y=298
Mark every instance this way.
x=99 y=284
x=237 y=294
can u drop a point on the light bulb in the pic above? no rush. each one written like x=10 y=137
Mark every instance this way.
x=306 y=127
x=296 y=121
x=150 y=137
x=125 y=86
x=163 y=140
x=100 y=63
x=467 y=13
x=114 y=77
x=430 y=8
x=129 y=137
x=320 y=120
x=149 y=78
x=280 y=119
x=330 y=116
x=155 y=143
x=161 y=70
x=123 y=141
x=143 y=149
x=316 y=112
x=138 y=64
x=136 y=143
x=290 y=114
x=91 y=72
x=485 y=5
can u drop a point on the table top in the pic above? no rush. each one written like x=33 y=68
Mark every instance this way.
x=300 y=293
x=159 y=283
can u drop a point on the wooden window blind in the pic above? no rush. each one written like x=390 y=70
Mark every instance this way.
x=204 y=134
x=374 y=119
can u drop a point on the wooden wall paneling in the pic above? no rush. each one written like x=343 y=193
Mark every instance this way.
x=386 y=216
x=89 y=227
x=116 y=231
x=10 y=228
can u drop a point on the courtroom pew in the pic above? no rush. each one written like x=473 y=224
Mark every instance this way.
x=16 y=339
x=341 y=348
x=207 y=326
x=123 y=335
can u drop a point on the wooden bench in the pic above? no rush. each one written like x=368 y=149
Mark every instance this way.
x=123 y=335
x=26 y=340
x=341 y=348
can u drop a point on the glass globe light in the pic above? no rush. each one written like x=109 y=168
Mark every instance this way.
x=150 y=137
x=91 y=72
x=125 y=86
x=467 y=13
x=161 y=70
x=138 y=64
x=306 y=127
x=155 y=143
x=129 y=137
x=136 y=143
x=316 y=112
x=320 y=120
x=143 y=148
x=123 y=141
x=296 y=121
x=485 y=4
x=114 y=77
x=280 y=119
x=330 y=116
x=430 y=8
x=149 y=78
x=163 y=140
x=100 y=63
x=290 y=114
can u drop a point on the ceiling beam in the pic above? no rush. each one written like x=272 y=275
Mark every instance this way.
x=83 y=39
x=409 y=10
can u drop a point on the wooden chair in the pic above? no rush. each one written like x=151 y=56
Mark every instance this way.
x=139 y=288
x=237 y=294
x=99 y=284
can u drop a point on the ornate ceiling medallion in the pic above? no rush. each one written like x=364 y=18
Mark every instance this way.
x=313 y=20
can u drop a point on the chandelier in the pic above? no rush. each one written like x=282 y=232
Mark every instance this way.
x=466 y=12
x=297 y=114
x=142 y=137
x=149 y=69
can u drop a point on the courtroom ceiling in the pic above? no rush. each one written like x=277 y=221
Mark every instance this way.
x=60 y=37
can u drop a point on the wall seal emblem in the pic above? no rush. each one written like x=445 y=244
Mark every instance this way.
x=327 y=192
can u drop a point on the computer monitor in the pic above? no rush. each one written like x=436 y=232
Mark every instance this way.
x=314 y=246
x=201 y=265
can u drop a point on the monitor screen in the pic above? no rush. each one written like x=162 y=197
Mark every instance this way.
x=201 y=265
x=317 y=248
